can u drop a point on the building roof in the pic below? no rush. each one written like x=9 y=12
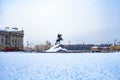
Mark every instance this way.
x=9 y=29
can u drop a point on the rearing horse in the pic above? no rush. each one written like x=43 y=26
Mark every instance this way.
x=59 y=39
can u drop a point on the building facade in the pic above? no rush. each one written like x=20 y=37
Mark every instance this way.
x=11 y=40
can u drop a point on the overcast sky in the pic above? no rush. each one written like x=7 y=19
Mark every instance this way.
x=88 y=21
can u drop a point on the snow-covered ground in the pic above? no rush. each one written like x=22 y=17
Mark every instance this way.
x=59 y=66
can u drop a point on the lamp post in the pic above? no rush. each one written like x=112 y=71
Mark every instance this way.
x=115 y=42
x=28 y=45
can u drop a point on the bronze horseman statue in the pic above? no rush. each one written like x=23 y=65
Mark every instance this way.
x=59 y=38
x=58 y=47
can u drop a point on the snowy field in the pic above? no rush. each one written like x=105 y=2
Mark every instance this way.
x=59 y=66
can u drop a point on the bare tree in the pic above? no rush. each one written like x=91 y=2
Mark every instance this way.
x=48 y=43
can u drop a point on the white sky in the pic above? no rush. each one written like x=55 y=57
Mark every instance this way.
x=89 y=21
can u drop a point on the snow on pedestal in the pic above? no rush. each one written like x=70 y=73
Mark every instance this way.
x=57 y=48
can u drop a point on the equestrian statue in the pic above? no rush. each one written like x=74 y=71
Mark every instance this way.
x=59 y=38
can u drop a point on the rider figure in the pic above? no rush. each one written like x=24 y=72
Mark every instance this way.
x=59 y=38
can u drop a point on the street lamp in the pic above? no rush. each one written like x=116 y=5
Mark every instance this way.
x=115 y=42
x=27 y=45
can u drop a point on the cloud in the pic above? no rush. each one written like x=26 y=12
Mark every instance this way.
x=44 y=19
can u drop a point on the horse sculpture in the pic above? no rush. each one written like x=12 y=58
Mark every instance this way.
x=59 y=38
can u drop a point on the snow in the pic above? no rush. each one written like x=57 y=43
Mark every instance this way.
x=95 y=47
x=57 y=48
x=60 y=66
x=9 y=29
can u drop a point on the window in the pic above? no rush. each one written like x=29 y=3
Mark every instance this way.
x=6 y=40
x=2 y=39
